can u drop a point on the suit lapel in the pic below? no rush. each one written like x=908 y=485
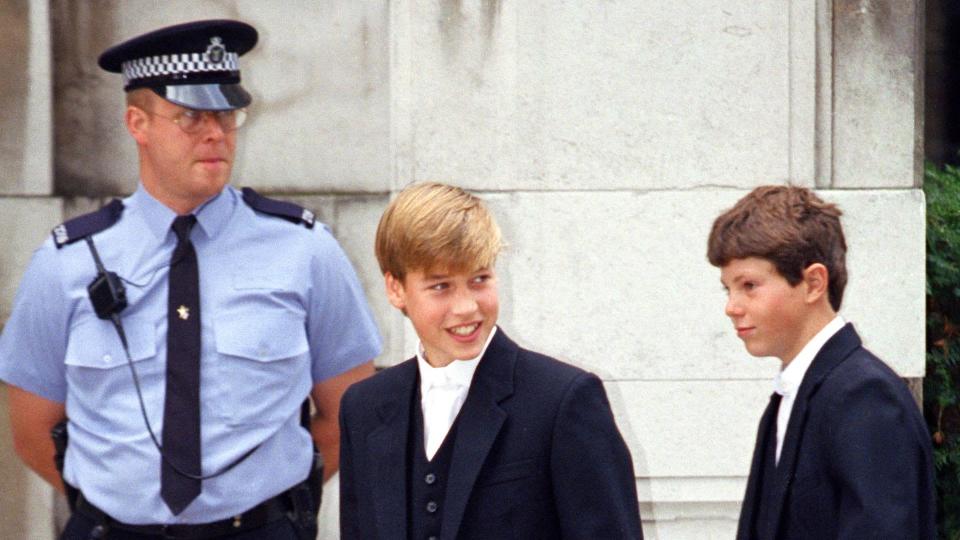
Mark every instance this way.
x=387 y=446
x=752 y=497
x=834 y=351
x=479 y=422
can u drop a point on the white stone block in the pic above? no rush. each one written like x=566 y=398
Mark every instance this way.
x=322 y=103
x=318 y=76
x=691 y=529
x=540 y=95
x=673 y=507
x=94 y=152
x=14 y=15
x=680 y=430
x=886 y=261
x=25 y=126
x=618 y=282
x=691 y=443
x=353 y=220
x=328 y=519
x=28 y=221
x=877 y=112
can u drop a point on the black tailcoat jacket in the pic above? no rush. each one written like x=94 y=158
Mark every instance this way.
x=856 y=461
x=536 y=454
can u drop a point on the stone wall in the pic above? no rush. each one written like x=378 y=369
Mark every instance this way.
x=606 y=136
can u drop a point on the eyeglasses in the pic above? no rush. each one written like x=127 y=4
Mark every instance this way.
x=191 y=120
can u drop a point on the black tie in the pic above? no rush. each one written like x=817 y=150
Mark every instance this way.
x=181 y=408
x=767 y=509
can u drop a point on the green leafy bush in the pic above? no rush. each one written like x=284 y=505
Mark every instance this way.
x=941 y=387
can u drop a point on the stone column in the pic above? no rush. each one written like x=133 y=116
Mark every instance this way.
x=27 y=212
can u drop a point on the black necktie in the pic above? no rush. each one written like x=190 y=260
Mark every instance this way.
x=768 y=509
x=181 y=407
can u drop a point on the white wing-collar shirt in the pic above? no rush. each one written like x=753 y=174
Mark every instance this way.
x=442 y=393
x=787 y=382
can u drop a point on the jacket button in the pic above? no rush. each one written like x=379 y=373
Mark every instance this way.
x=430 y=478
x=431 y=507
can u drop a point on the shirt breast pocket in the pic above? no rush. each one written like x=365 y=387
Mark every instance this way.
x=96 y=362
x=262 y=365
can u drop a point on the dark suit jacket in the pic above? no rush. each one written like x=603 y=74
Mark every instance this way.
x=537 y=454
x=856 y=461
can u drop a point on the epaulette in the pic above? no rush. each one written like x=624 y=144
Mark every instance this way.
x=87 y=224
x=282 y=209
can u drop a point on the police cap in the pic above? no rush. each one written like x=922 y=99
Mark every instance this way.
x=195 y=64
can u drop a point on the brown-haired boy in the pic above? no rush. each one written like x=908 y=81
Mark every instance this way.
x=842 y=451
x=475 y=437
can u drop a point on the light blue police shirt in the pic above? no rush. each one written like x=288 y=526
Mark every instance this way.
x=281 y=309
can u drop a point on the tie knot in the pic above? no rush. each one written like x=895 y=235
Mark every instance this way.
x=182 y=225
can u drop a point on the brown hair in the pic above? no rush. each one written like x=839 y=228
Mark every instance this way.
x=436 y=226
x=790 y=227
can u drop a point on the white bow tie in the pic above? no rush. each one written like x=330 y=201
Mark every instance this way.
x=441 y=402
x=443 y=383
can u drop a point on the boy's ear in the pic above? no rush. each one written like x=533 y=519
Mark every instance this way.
x=817 y=279
x=395 y=291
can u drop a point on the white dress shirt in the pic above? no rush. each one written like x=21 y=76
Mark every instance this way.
x=787 y=381
x=442 y=393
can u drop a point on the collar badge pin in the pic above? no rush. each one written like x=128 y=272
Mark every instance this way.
x=61 y=234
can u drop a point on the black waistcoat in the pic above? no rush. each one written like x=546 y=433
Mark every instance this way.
x=426 y=480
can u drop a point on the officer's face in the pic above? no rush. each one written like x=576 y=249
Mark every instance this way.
x=182 y=170
x=452 y=312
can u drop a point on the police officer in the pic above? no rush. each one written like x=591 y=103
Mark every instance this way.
x=181 y=329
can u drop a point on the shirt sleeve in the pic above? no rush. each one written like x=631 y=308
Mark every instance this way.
x=340 y=326
x=34 y=338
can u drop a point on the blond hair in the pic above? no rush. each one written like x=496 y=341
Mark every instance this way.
x=436 y=226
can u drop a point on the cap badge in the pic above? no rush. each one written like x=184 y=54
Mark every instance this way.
x=216 y=51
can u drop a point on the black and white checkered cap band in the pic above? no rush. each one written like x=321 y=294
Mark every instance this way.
x=175 y=64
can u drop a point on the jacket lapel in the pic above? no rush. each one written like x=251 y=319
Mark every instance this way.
x=479 y=422
x=752 y=497
x=834 y=351
x=387 y=446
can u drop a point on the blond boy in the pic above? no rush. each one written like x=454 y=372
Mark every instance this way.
x=474 y=437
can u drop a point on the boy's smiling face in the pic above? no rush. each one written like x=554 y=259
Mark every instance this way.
x=452 y=312
x=769 y=314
